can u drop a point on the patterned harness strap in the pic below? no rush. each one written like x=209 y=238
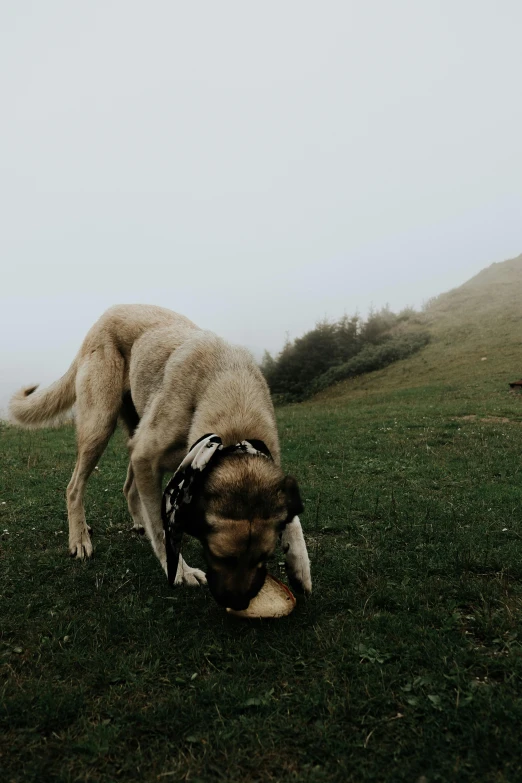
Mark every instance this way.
x=181 y=489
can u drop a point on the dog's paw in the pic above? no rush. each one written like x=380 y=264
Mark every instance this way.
x=192 y=577
x=299 y=575
x=138 y=529
x=297 y=562
x=80 y=545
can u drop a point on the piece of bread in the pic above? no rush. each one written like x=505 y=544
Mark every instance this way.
x=273 y=600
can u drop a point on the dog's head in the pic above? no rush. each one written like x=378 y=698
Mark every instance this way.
x=242 y=506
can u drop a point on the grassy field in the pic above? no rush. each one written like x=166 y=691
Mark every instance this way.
x=404 y=665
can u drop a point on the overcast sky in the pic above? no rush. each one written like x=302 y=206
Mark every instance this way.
x=255 y=166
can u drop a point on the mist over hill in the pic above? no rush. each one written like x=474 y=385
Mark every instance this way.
x=475 y=330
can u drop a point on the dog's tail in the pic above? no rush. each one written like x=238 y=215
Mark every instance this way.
x=47 y=407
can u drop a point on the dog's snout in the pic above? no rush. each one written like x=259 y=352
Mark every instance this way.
x=235 y=603
x=230 y=599
x=235 y=590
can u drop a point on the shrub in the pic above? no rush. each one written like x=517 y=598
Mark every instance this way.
x=373 y=357
x=313 y=354
x=340 y=349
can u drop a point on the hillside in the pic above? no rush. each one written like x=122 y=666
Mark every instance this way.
x=476 y=338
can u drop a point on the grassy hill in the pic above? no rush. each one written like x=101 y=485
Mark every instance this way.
x=481 y=319
x=404 y=665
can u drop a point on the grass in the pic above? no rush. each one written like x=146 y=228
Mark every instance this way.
x=404 y=665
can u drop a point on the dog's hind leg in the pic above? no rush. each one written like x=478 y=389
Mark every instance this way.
x=130 y=490
x=98 y=399
x=90 y=449
x=130 y=420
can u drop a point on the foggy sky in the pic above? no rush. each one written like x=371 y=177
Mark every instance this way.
x=255 y=166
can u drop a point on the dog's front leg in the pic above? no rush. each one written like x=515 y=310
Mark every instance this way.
x=297 y=562
x=148 y=482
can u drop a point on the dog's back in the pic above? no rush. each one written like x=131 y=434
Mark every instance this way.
x=113 y=335
x=124 y=325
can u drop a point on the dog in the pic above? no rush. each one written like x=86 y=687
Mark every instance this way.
x=170 y=384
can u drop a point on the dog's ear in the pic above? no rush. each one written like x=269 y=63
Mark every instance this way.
x=294 y=504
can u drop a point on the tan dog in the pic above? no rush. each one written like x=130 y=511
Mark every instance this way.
x=170 y=383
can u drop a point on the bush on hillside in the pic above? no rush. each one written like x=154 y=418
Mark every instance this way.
x=373 y=357
x=377 y=326
x=313 y=354
x=321 y=356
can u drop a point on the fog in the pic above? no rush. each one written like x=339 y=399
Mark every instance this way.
x=257 y=167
